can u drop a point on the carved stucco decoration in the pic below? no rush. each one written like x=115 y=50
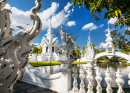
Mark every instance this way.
x=68 y=42
x=14 y=49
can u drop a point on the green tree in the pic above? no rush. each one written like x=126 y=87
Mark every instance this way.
x=76 y=52
x=35 y=50
x=83 y=51
x=40 y=50
x=121 y=40
x=115 y=8
x=96 y=51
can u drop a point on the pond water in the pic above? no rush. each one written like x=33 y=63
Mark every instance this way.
x=113 y=68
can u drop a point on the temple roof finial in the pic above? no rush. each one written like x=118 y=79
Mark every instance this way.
x=89 y=40
x=50 y=26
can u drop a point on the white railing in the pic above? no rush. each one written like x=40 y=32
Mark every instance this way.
x=90 y=78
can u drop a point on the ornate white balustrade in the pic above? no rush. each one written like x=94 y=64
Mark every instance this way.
x=82 y=76
x=99 y=79
x=119 y=81
x=90 y=78
x=75 y=75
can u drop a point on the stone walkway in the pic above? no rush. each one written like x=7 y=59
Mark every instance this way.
x=21 y=87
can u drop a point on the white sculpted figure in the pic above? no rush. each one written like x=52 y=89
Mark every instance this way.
x=14 y=49
x=68 y=42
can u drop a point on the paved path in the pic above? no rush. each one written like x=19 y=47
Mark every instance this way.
x=21 y=87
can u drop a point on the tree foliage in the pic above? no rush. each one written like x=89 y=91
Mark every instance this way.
x=115 y=8
x=37 y=50
x=121 y=40
x=76 y=52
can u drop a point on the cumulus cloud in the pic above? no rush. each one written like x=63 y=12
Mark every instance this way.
x=89 y=26
x=71 y=23
x=101 y=25
x=21 y=18
x=100 y=46
x=18 y=17
x=66 y=8
x=112 y=21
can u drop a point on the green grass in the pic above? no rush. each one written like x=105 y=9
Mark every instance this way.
x=43 y=63
x=123 y=60
x=103 y=60
x=127 y=64
x=48 y=63
x=79 y=62
x=114 y=90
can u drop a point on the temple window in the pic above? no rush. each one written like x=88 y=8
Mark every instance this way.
x=46 y=49
x=53 y=49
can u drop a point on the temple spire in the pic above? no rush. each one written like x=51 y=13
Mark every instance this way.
x=50 y=33
x=89 y=40
x=109 y=38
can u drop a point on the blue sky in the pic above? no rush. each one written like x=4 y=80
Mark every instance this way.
x=75 y=20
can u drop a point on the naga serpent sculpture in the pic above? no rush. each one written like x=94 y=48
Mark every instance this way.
x=14 y=50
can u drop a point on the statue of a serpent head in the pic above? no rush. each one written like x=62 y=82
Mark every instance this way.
x=14 y=50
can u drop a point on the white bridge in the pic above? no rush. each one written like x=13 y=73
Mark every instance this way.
x=118 y=54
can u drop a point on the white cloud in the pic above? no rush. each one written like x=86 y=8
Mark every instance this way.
x=128 y=28
x=112 y=20
x=66 y=8
x=110 y=29
x=18 y=17
x=100 y=46
x=90 y=26
x=71 y=23
x=101 y=25
x=21 y=18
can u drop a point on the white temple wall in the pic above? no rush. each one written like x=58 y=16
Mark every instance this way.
x=33 y=57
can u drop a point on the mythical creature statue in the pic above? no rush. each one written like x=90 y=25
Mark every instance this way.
x=14 y=50
x=68 y=42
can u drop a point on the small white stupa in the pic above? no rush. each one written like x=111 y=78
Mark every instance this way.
x=109 y=45
x=50 y=46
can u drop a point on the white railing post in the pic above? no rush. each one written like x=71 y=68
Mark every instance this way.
x=119 y=81
x=90 y=80
x=65 y=69
x=129 y=80
x=99 y=79
x=82 y=76
x=75 y=75
x=108 y=80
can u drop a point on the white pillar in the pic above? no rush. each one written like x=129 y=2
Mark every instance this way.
x=75 y=75
x=65 y=75
x=82 y=76
x=108 y=80
x=90 y=80
x=99 y=79
x=119 y=81
x=129 y=78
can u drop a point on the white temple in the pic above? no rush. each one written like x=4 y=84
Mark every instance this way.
x=89 y=52
x=50 y=45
